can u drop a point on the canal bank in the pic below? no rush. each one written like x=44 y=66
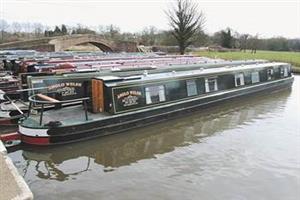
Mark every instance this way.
x=296 y=70
x=12 y=185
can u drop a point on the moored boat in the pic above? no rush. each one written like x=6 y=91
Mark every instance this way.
x=116 y=104
x=73 y=85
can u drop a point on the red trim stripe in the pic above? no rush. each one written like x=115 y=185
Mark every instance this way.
x=5 y=122
x=35 y=140
x=10 y=136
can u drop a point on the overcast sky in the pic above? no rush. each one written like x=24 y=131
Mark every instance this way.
x=267 y=18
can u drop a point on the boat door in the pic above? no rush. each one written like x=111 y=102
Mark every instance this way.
x=97 y=95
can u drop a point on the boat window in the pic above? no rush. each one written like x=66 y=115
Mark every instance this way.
x=211 y=84
x=285 y=71
x=191 y=87
x=239 y=79
x=155 y=94
x=247 y=78
x=255 y=77
x=270 y=74
x=281 y=71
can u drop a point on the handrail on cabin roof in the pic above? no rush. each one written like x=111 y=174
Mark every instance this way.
x=32 y=99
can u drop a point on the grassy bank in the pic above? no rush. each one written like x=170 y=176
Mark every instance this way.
x=282 y=56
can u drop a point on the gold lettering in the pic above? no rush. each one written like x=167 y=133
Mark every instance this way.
x=127 y=93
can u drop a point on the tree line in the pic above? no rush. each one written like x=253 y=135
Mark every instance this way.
x=186 y=30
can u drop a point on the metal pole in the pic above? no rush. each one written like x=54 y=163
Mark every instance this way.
x=85 y=110
x=12 y=103
x=31 y=89
x=41 y=116
x=29 y=108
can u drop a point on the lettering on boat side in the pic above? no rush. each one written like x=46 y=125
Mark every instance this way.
x=129 y=98
x=68 y=84
x=127 y=93
x=66 y=89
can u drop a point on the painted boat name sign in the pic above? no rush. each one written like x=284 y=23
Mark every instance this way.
x=66 y=89
x=68 y=84
x=127 y=93
x=129 y=98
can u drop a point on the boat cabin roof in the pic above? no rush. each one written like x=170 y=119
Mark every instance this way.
x=113 y=81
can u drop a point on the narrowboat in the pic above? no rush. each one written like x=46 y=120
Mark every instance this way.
x=67 y=86
x=97 y=62
x=28 y=68
x=8 y=82
x=116 y=104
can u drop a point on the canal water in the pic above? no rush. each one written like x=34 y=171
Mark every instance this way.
x=247 y=148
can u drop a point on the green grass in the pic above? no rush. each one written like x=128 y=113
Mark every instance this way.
x=282 y=56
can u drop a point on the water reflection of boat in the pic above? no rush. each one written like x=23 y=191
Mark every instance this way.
x=120 y=150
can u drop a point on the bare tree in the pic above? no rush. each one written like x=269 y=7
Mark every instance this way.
x=244 y=42
x=38 y=29
x=3 y=27
x=27 y=28
x=186 y=21
x=16 y=27
x=113 y=31
x=148 y=36
x=253 y=43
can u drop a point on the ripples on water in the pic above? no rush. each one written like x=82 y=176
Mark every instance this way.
x=243 y=149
